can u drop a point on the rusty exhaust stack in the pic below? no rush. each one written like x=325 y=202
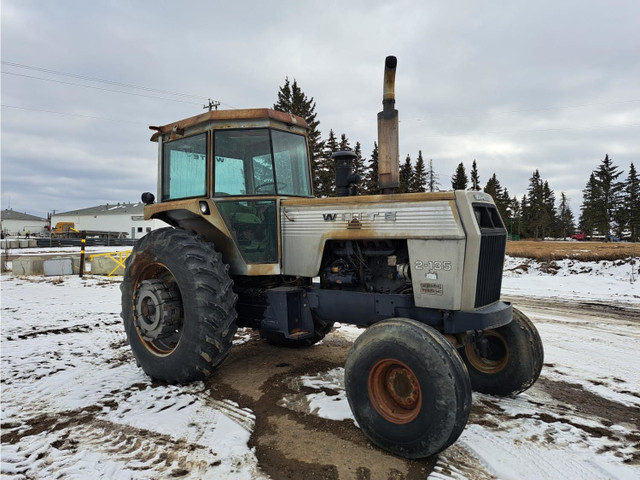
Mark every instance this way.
x=388 y=150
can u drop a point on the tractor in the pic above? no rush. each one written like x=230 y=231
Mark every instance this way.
x=250 y=246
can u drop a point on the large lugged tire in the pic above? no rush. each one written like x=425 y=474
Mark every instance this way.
x=407 y=387
x=513 y=360
x=177 y=306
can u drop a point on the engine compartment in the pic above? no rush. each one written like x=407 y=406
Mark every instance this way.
x=374 y=266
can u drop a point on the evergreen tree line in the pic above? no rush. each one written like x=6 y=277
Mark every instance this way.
x=610 y=208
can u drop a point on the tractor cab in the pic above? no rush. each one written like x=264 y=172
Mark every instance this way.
x=230 y=169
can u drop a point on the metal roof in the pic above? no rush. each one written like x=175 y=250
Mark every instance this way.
x=9 y=214
x=108 y=209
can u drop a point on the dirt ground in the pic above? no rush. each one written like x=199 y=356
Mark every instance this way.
x=585 y=251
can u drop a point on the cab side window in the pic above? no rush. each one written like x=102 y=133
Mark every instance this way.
x=184 y=167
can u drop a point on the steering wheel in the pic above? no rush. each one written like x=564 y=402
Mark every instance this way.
x=278 y=185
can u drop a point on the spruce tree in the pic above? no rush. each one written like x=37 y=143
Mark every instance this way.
x=371 y=186
x=566 y=222
x=433 y=185
x=493 y=187
x=419 y=181
x=291 y=99
x=284 y=98
x=516 y=218
x=475 y=178
x=359 y=167
x=590 y=211
x=406 y=175
x=549 y=210
x=500 y=197
x=525 y=216
x=536 y=220
x=459 y=180
x=325 y=171
x=610 y=189
x=358 y=162
x=632 y=204
x=504 y=206
x=344 y=143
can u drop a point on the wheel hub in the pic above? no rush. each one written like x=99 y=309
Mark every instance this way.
x=394 y=391
x=493 y=357
x=158 y=309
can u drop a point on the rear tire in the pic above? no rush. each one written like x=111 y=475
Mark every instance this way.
x=513 y=361
x=177 y=306
x=407 y=387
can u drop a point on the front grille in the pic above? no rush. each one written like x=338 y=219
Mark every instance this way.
x=492 y=247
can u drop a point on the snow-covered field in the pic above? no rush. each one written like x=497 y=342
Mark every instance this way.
x=75 y=405
x=605 y=281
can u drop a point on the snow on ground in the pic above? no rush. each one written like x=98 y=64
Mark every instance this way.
x=65 y=361
x=120 y=426
x=590 y=281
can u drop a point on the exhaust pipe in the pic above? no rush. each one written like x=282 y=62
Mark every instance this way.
x=388 y=150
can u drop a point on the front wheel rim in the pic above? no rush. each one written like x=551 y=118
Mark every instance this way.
x=497 y=357
x=394 y=391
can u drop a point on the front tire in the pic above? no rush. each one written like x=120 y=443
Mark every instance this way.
x=177 y=306
x=407 y=387
x=512 y=361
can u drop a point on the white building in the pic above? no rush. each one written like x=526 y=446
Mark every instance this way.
x=125 y=218
x=14 y=223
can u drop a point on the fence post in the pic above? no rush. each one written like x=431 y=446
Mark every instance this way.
x=83 y=243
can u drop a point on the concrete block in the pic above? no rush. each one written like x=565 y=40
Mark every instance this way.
x=76 y=264
x=27 y=266
x=13 y=243
x=104 y=266
x=3 y=244
x=55 y=267
x=33 y=243
x=24 y=243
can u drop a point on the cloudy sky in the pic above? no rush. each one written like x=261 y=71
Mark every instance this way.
x=517 y=85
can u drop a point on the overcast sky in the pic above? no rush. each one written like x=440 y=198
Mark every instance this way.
x=515 y=85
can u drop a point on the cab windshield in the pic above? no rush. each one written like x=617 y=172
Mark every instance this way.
x=260 y=162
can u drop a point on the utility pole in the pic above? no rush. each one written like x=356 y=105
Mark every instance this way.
x=211 y=104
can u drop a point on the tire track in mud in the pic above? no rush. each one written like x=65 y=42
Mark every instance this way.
x=572 y=412
x=60 y=368
x=62 y=441
x=127 y=430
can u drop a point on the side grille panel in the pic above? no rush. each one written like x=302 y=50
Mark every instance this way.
x=492 y=247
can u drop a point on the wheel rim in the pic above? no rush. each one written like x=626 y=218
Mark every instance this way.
x=497 y=354
x=157 y=310
x=394 y=391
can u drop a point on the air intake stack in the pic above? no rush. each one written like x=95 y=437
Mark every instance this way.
x=388 y=151
x=346 y=180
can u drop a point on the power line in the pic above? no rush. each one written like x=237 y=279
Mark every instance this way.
x=105 y=81
x=70 y=114
x=101 y=80
x=99 y=88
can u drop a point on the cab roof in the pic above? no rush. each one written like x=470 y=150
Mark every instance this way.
x=229 y=115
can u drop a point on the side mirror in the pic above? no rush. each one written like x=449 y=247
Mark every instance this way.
x=148 y=198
